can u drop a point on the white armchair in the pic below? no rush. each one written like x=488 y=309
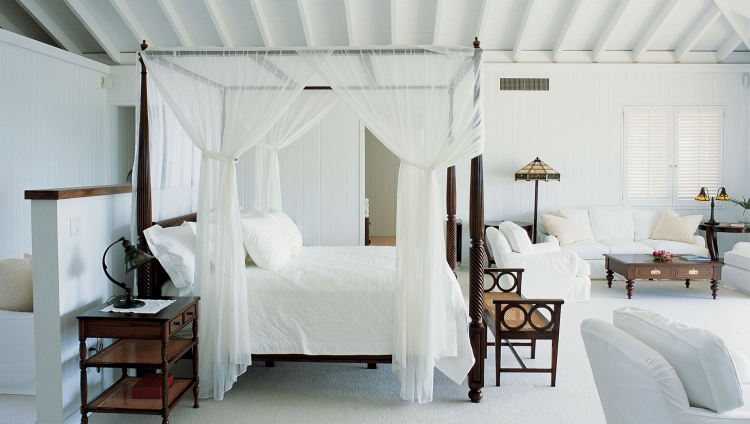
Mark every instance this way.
x=736 y=272
x=549 y=273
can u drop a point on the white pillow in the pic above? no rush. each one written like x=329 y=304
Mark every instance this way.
x=581 y=219
x=741 y=246
x=675 y=227
x=566 y=230
x=264 y=241
x=699 y=357
x=497 y=242
x=290 y=231
x=645 y=221
x=612 y=223
x=174 y=247
x=16 y=285
x=517 y=237
x=741 y=365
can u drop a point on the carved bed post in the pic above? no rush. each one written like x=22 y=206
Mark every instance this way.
x=450 y=228
x=477 y=331
x=143 y=190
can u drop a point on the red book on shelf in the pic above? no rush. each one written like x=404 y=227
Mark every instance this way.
x=149 y=387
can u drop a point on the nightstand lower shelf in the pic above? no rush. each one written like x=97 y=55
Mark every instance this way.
x=118 y=397
x=138 y=353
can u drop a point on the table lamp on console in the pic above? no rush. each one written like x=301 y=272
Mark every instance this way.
x=721 y=194
x=134 y=258
x=537 y=171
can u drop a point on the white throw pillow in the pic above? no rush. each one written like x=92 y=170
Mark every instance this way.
x=581 y=218
x=291 y=233
x=16 y=285
x=264 y=241
x=497 y=242
x=517 y=237
x=645 y=221
x=174 y=247
x=612 y=223
x=699 y=357
x=675 y=227
x=566 y=230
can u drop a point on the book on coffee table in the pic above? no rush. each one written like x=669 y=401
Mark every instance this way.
x=695 y=258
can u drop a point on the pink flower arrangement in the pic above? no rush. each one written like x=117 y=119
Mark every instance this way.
x=662 y=255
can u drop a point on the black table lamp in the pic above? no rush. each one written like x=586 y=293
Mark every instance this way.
x=134 y=258
x=537 y=171
x=720 y=195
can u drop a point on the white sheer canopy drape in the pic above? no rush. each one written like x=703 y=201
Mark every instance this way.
x=226 y=102
x=422 y=105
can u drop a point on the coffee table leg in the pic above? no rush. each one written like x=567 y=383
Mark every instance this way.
x=687 y=283
x=610 y=276
x=629 y=286
x=714 y=288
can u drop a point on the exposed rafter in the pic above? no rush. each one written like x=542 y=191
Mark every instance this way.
x=50 y=27
x=482 y=22
x=601 y=45
x=393 y=22
x=648 y=37
x=739 y=29
x=728 y=47
x=131 y=21
x=573 y=16
x=221 y=26
x=438 y=19
x=7 y=24
x=260 y=18
x=697 y=32
x=177 y=25
x=305 y=22
x=524 y=29
x=349 y=21
x=95 y=28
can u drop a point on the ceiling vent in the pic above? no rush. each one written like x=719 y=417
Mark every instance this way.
x=523 y=84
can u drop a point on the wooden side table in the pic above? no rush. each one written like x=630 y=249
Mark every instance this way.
x=146 y=342
x=525 y=225
x=711 y=230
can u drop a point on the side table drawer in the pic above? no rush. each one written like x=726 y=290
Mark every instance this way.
x=694 y=272
x=655 y=272
x=189 y=314
x=176 y=323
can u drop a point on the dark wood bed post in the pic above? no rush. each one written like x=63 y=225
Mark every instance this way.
x=143 y=190
x=450 y=227
x=477 y=332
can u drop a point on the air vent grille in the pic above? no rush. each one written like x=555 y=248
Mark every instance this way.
x=523 y=84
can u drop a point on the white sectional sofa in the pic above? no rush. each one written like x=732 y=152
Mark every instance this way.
x=619 y=230
x=736 y=272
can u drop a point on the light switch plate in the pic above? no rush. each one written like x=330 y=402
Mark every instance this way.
x=75 y=226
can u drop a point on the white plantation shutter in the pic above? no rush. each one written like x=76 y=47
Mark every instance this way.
x=698 y=151
x=647 y=154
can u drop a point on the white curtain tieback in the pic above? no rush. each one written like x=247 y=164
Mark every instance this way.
x=220 y=157
x=423 y=168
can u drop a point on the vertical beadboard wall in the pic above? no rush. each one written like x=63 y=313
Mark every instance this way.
x=381 y=182
x=52 y=130
x=322 y=181
x=576 y=128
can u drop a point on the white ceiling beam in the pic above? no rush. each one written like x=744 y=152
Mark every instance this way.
x=393 y=22
x=221 y=26
x=648 y=37
x=260 y=18
x=440 y=5
x=94 y=27
x=728 y=47
x=482 y=22
x=349 y=21
x=48 y=25
x=524 y=29
x=601 y=45
x=739 y=29
x=570 y=22
x=305 y=22
x=7 y=24
x=697 y=32
x=127 y=15
x=177 y=25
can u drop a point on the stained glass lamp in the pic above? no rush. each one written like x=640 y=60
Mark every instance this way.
x=537 y=171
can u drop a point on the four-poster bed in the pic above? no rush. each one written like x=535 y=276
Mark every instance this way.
x=150 y=278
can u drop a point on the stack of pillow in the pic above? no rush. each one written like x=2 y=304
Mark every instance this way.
x=17 y=369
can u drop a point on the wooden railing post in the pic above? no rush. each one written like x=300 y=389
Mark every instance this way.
x=450 y=227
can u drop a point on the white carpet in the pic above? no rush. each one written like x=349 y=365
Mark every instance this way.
x=343 y=393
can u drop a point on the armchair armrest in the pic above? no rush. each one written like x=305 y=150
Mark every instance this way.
x=552 y=265
x=546 y=247
x=699 y=241
x=551 y=239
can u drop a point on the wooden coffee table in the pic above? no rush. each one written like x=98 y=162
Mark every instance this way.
x=642 y=267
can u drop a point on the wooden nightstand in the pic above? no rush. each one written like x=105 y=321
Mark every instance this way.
x=146 y=342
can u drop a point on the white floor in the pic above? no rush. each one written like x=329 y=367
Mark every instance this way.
x=342 y=393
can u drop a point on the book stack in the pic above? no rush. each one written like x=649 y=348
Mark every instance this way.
x=695 y=258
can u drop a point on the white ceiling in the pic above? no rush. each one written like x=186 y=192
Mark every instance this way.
x=653 y=31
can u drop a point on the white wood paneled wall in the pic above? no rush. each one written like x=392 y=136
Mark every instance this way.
x=576 y=128
x=122 y=138
x=52 y=130
x=381 y=183
x=322 y=181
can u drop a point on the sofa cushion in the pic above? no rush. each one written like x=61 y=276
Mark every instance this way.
x=699 y=357
x=612 y=223
x=676 y=247
x=644 y=222
x=517 y=237
x=564 y=229
x=581 y=218
x=741 y=365
x=738 y=258
x=16 y=285
x=739 y=246
x=619 y=247
x=674 y=227
x=587 y=249
x=497 y=242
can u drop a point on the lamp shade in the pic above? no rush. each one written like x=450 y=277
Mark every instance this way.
x=722 y=194
x=537 y=170
x=134 y=257
x=703 y=195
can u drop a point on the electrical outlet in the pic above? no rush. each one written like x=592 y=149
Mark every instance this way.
x=75 y=226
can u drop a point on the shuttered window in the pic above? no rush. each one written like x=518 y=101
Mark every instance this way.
x=670 y=153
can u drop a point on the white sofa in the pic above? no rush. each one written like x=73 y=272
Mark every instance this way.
x=619 y=230
x=736 y=272
x=649 y=369
x=17 y=368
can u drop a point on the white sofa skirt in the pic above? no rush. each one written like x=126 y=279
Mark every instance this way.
x=17 y=369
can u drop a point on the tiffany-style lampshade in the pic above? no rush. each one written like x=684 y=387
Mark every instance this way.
x=537 y=171
x=703 y=197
